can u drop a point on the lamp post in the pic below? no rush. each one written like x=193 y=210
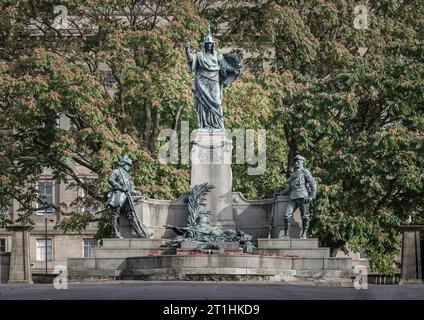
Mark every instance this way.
x=44 y=197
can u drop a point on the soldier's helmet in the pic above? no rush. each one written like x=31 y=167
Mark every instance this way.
x=208 y=38
x=125 y=160
x=203 y=218
x=299 y=157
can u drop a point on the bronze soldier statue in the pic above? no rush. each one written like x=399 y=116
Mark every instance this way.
x=301 y=188
x=120 y=199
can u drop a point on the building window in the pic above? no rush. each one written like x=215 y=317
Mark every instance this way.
x=46 y=192
x=41 y=250
x=86 y=205
x=5 y=210
x=362 y=255
x=88 y=245
x=2 y=245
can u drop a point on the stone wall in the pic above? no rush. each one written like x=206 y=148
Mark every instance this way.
x=63 y=246
x=155 y=214
x=4 y=267
x=250 y=216
x=254 y=216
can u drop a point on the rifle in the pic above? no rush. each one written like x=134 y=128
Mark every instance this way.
x=137 y=222
x=273 y=212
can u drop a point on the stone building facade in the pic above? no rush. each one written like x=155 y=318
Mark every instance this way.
x=60 y=245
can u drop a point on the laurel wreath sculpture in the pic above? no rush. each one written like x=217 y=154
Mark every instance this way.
x=196 y=200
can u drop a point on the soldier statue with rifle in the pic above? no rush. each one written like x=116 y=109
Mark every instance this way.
x=301 y=188
x=120 y=199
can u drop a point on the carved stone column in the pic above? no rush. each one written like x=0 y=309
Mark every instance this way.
x=211 y=163
x=412 y=264
x=20 y=263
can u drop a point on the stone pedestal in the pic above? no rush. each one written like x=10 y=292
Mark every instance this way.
x=211 y=163
x=412 y=264
x=189 y=247
x=125 y=228
x=20 y=263
x=278 y=222
x=124 y=248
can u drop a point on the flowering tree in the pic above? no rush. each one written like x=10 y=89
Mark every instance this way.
x=346 y=84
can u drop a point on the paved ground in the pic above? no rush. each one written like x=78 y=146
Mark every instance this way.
x=139 y=290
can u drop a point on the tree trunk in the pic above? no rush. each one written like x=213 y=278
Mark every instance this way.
x=291 y=142
x=155 y=133
x=177 y=116
x=147 y=126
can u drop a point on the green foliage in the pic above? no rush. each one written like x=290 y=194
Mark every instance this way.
x=248 y=105
x=4 y=220
x=24 y=218
x=117 y=83
x=356 y=117
x=76 y=222
x=104 y=228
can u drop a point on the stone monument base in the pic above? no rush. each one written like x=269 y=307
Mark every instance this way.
x=197 y=247
x=211 y=163
x=412 y=260
x=20 y=263
x=277 y=260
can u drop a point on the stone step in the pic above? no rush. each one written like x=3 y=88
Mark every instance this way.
x=287 y=253
x=126 y=253
x=174 y=267
x=274 y=243
x=210 y=261
x=263 y=243
x=209 y=251
x=295 y=253
x=337 y=278
x=196 y=246
x=322 y=263
x=191 y=245
x=247 y=261
x=133 y=243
